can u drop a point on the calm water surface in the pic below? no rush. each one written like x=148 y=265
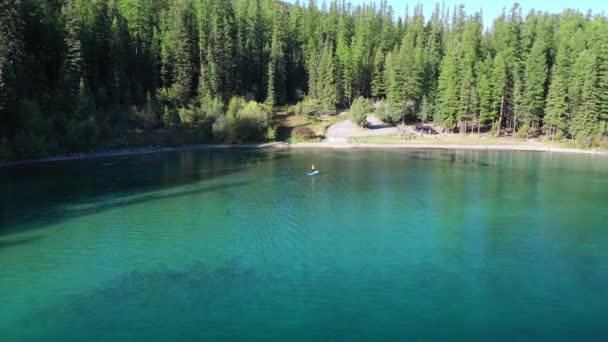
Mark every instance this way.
x=241 y=245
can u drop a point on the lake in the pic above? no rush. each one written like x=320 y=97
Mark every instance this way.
x=416 y=245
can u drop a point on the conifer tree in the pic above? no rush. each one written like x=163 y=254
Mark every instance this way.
x=470 y=45
x=327 y=79
x=555 y=119
x=378 y=83
x=270 y=91
x=276 y=66
x=11 y=56
x=119 y=55
x=600 y=45
x=585 y=99
x=185 y=53
x=535 y=82
x=72 y=68
x=486 y=94
x=448 y=93
x=393 y=79
x=499 y=78
x=426 y=110
x=556 y=111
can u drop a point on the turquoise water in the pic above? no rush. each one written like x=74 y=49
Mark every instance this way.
x=241 y=245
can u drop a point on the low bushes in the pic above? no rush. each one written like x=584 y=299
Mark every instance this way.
x=244 y=122
x=307 y=106
x=388 y=113
x=359 y=110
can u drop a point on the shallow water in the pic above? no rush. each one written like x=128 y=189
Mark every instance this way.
x=382 y=245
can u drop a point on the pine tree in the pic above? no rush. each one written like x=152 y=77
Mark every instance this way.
x=433 y=54
x=470 y=45
x=378 y=84
x=185 y=53
x=499 y=88
x=217 y=35
x=555 y=119
x=326 y=79
x=72 y=68
x=394 y=80
x=601 y=47
x=408 y=67
x=585 y=99
x=486 y=94
x=119 y=55
x=448 y=93
x=11 y=56
x=270 y=91
x=426 y=110
x=556 y=111
x=276 y=66
x=535 y=83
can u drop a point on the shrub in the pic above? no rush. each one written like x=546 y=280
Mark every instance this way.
x=306 y=107
x=495 y=131
x=388 y=113
x=249 y=123
x=145 y=117
x=302 y=133
x=213 y=107
x=359 y=110
x=191 y=116
x=585 y=141
x=170 y=117
x=604 y=143
x=235 y=105
x=163 y=95
x=271 y=134
x=523 y=131
x=179 y=94
x=33 y=120
x=220 y=128
x=80 y=134
x=29 y=145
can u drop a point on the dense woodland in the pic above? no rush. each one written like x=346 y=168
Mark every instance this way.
x=76 y=73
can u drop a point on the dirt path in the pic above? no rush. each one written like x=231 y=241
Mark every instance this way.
x=344 y=130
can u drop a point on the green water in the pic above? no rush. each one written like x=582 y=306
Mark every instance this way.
x=241 y=245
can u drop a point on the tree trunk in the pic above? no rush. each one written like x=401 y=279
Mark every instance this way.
x=502 y=107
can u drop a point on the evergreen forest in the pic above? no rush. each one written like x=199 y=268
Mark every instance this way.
x=77 y=74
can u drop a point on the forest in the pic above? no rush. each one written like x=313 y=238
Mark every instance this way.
x=78 y=74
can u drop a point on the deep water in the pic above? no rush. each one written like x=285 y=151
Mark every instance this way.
x=241 y=245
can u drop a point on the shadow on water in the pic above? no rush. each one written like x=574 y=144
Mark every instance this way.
x=449 y=157
x=34 y=196
x=34 y=222
x=18 y=242
x=192 y=299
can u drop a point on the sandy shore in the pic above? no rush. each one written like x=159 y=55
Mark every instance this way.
x=488 y=147
x=311 y=145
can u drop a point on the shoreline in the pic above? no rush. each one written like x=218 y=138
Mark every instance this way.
x=305 y=145
x=480 y=147
x=137 y=151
